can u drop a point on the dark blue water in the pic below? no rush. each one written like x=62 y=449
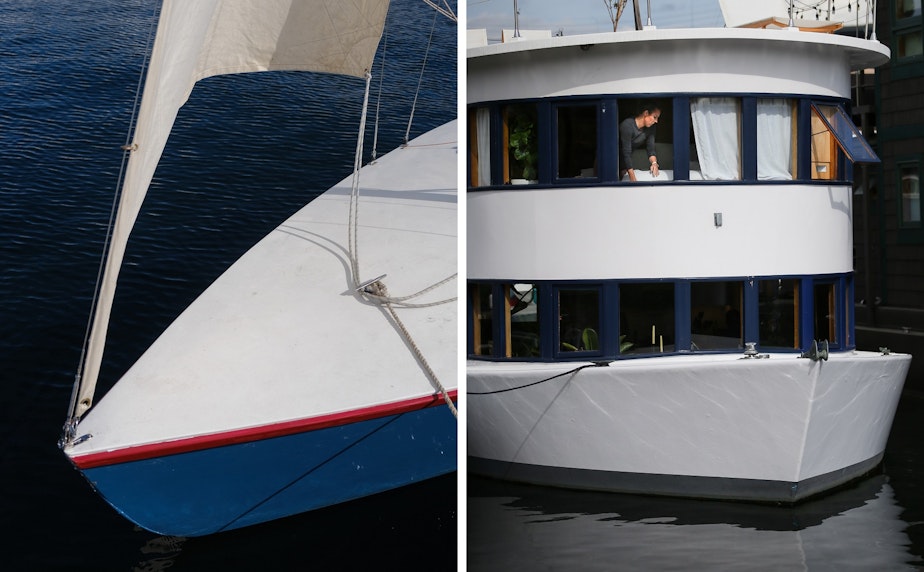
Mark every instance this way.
x=247 y=151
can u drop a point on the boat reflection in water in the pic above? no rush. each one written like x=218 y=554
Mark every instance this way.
x=514 y=526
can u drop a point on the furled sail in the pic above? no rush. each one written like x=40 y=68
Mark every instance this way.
x=203 y=38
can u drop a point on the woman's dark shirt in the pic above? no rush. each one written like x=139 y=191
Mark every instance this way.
x=631 y=137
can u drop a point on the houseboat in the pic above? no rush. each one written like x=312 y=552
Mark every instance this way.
x=676 y=317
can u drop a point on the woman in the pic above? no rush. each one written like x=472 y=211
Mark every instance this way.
x=635 y=133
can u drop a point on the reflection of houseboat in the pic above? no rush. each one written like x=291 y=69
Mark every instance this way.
x=539 y=528
x=691 y=333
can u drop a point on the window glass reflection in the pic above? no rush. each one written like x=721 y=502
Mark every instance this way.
x=778 y=313
x=579 y=320
x=522 y=320
x=716 y=315
x=646 y=317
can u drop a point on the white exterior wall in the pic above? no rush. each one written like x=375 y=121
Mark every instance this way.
x=659 y=231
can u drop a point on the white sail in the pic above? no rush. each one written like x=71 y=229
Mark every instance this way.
x=202 y=38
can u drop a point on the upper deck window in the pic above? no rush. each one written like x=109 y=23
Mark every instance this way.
x=717 y=131
x=577 y=141
x=479 y=144
x=776 y=139
x=645 y=137
x=521 y=140
x=833 y=130
x=845 y=133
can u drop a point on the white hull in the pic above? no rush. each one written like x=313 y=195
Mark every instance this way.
x=282 y=336
x=719 y=426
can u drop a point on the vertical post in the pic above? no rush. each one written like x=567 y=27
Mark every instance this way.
x=873 y=35
x=516 y=20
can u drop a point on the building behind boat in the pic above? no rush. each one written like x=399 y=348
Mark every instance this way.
x=889 y=221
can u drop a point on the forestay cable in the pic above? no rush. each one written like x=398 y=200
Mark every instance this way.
x=70 y=425
x=423 y=67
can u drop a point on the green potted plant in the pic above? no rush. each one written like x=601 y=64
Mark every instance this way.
x=525 y=147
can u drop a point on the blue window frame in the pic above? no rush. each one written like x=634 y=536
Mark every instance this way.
x=549 y=321
x=574 y=141
x=845 y=133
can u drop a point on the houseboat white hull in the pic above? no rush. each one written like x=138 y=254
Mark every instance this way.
x=742 y=237
x=778 y=428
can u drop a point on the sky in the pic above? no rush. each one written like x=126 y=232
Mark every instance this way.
x=574 y=17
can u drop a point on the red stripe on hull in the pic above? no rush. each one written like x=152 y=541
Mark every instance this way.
x=199 y=442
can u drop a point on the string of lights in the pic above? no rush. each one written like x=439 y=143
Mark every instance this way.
x=829 y=10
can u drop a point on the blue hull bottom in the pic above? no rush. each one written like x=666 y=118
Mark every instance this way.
x=211 y=490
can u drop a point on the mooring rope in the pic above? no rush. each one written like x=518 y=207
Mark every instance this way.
x=377 y=291
x=556 y=376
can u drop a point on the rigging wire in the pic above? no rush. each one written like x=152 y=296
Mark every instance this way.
x=378 y=98
x=71 y=423
x=423 y=68
x=447 y=11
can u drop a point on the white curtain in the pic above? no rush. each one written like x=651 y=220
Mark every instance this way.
x=483 y=137
x=715 y=130
x=774 y=139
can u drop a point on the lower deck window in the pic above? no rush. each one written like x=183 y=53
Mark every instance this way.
x=579 y=320
x=646 y=317
x=482 y=319
x=826 y=313
x=716 y=315
x=547 y=321
x=521 y=314
x=778 y=313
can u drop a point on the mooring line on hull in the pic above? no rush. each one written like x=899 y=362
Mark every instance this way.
x=556 y=376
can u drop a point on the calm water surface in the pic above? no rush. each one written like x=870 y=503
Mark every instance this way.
x=247 y=152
